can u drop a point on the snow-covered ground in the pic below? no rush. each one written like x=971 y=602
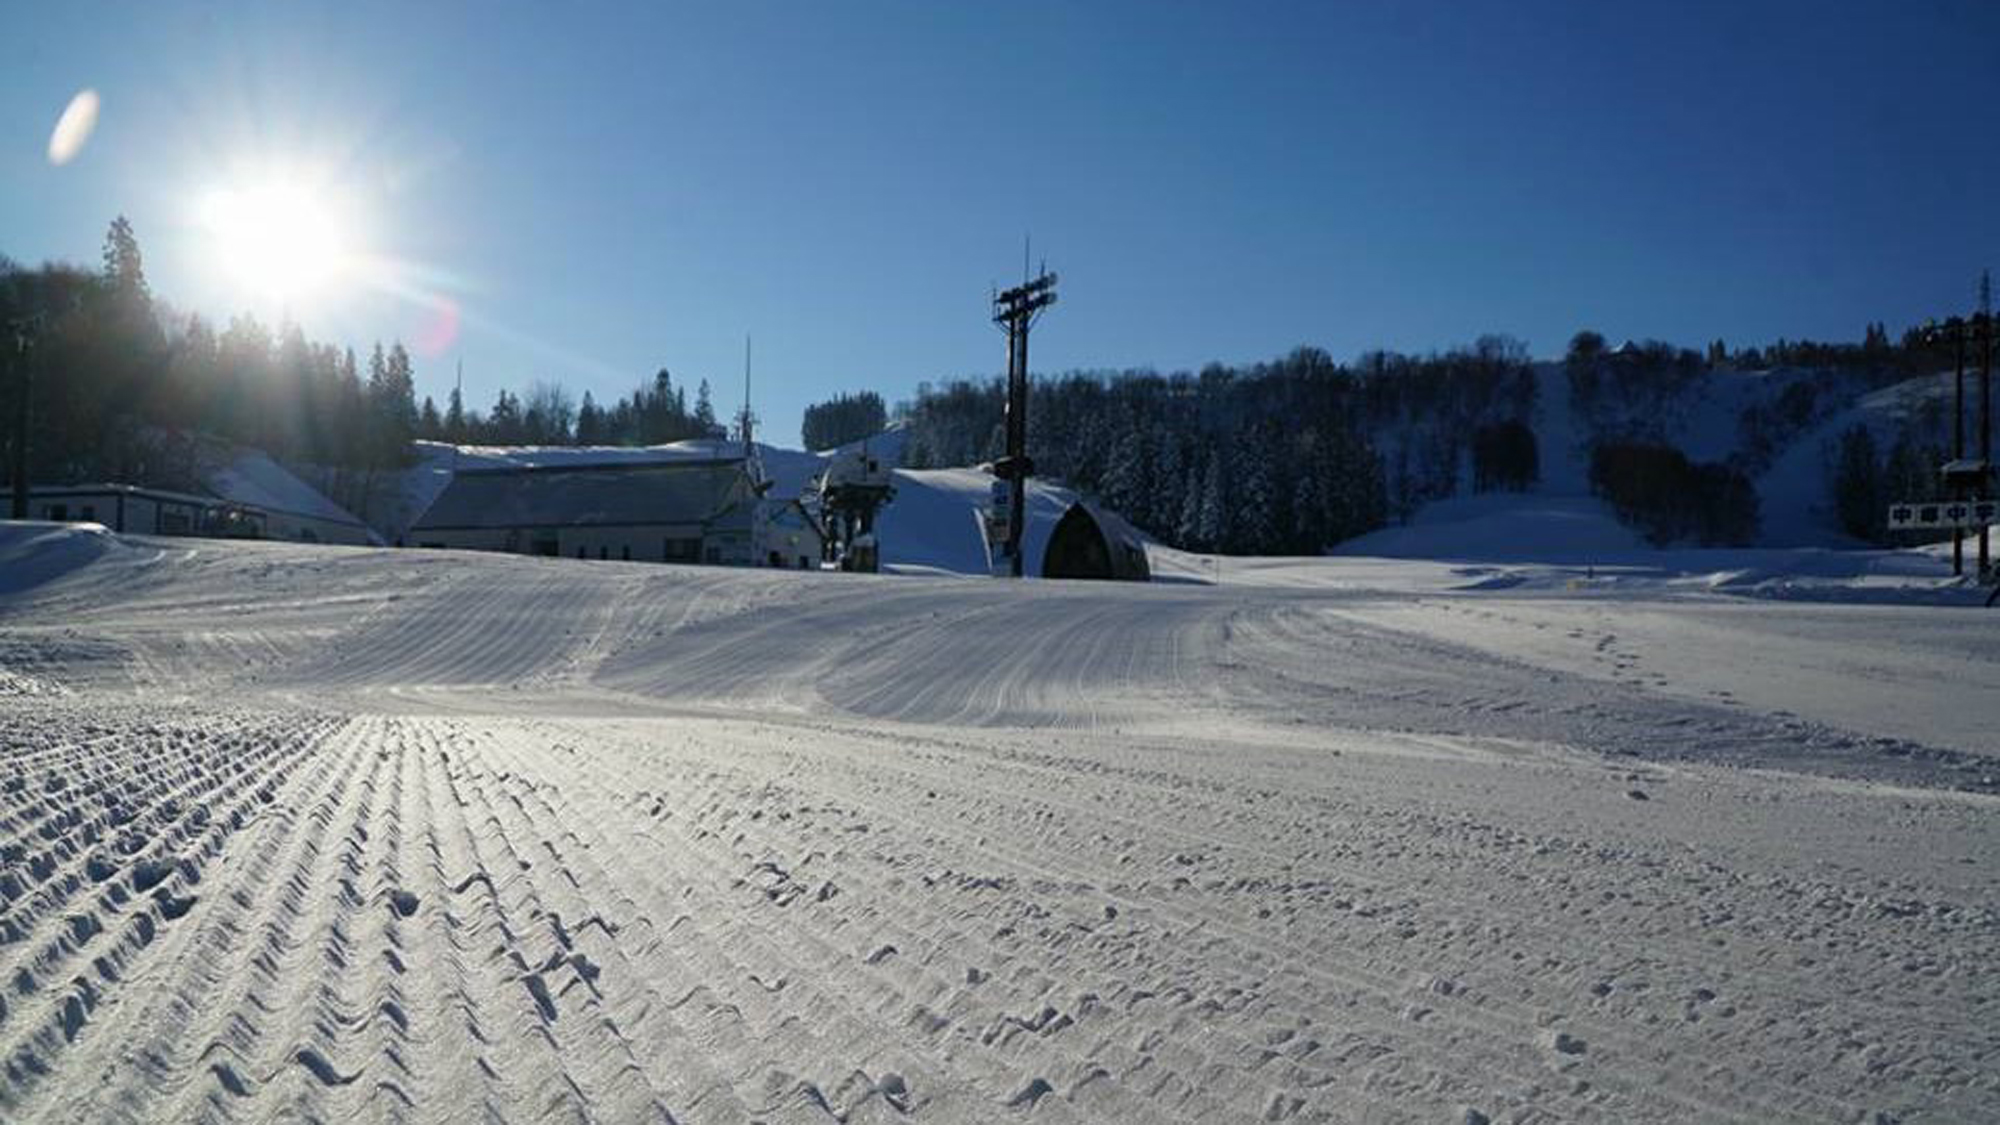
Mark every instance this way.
x=311 y=833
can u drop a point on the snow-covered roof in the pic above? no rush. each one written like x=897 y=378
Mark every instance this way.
x=679 y=491
x=109 y=489
x=251 y=478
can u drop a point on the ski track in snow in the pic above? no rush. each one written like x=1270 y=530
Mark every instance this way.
x=311 y=834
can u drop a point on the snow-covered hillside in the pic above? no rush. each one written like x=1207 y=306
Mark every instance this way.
x=1560 y=520
x=332 y=834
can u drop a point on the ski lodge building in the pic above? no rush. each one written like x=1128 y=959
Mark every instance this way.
x=136 y=510
x=705 y=510
x=122 y=508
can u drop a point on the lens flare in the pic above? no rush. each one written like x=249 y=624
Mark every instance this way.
x=73 y=128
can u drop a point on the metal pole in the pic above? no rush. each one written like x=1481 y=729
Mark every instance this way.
x=24 y=388
x=1958 y=444
x=1017 y=436
x=1985 y=429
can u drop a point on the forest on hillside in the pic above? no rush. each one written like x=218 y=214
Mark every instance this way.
x=1297 y=454
x=129 y=389
x=1284 y=457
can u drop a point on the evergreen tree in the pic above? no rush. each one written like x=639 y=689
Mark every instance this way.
x=844 y=419
x=1212 y=523
x=1253 y=522
x=1857 y=486
x=124 y=266
x=503 y=425
x=1309 y=521
x=659 y=411
x=1188 y=522
x=1124 y=482
x=704 y=414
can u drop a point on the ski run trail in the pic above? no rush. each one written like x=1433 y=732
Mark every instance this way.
x=316 y=834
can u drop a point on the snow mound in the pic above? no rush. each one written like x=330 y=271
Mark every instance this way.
x=33 y=553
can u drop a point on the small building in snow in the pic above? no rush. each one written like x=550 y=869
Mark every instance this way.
x=789 y=537
x=123 y=508
x=681 y=511
x=287 y=507
x=1091 y=542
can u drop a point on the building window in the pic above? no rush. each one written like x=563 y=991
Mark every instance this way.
x=579 y=550
x=603 y=551
x=714 y=556
x=682 y=550
x=625 y=552
x=58 y=512
x=88 y=512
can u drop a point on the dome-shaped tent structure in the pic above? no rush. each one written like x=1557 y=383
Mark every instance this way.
x=1089 y=542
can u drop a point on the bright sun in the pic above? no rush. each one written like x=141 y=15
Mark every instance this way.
x=277 y=239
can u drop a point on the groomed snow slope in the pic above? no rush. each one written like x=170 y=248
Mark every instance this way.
x=354 y=835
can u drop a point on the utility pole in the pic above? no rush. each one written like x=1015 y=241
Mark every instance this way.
x=1984 y=322
x=1016 y=311
x=1958 y=432
x=744 y=422
x=24 y=389
x=1964 y=477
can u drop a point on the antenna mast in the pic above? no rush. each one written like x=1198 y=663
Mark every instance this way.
x=746 y=422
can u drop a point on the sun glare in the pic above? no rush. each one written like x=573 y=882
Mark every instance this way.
x=278 y=239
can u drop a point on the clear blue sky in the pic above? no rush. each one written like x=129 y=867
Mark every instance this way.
x=602 y=190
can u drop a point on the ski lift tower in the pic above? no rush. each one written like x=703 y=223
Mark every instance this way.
x=1016 y=311
x=853 y=488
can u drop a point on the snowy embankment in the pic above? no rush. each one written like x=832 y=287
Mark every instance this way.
x=337 y=834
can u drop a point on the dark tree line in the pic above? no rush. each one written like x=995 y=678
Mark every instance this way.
x=547 y=414
x=1505 y=457
x=1268 y=458
x=845 y=418
x=1866 y=477
x=125 y=389
x=1670 y=499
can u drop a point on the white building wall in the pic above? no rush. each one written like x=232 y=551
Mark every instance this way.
x=638 y=543
x=310 y=529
